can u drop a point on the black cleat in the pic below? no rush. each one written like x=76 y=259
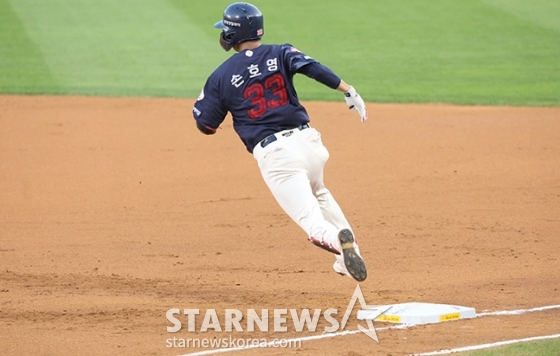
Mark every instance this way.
x=352 y=260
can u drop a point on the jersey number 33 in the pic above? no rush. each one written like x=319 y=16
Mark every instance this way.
x=276 y=85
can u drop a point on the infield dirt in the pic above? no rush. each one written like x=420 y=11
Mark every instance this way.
x=113 y=211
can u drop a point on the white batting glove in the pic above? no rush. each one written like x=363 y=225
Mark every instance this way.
x=356 y=103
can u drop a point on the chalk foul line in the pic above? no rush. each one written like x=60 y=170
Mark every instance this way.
x=405 y=326
x=518 y=311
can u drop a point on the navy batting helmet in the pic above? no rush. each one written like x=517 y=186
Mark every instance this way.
x=242 y=22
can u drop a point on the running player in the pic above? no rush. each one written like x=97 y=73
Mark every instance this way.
x=256 y=86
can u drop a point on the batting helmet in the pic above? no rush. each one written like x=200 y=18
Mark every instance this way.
x=242 y=22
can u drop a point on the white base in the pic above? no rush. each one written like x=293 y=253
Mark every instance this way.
x=418 y=313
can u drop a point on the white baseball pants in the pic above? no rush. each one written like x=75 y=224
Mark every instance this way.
x=292 y=167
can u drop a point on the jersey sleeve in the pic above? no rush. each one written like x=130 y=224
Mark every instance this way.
x=321 y=74
x=295 y=58
x=298 y=62
x=208 y=110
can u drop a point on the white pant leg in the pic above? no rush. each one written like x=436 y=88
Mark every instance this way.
x=289 y=166
x=329 y=207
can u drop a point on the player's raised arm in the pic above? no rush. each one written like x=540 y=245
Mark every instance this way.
x=326 y=76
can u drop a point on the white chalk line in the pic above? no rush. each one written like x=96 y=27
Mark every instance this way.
x=293 y=341
x=487 y=346
x=519 y=311
x=400 y=326
x=269 y=344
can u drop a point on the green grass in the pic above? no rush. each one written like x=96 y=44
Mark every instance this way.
x=454 y=51
x=536 y=348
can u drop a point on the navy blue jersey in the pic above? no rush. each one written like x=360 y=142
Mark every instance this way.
x=256 y=87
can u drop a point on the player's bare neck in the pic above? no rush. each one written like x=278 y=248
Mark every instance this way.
x=247 y=45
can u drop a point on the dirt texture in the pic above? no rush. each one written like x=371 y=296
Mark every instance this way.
x=115 y=210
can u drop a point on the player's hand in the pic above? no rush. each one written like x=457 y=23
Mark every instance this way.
x=356 y=103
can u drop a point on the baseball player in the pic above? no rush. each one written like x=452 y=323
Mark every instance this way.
x=256 y=86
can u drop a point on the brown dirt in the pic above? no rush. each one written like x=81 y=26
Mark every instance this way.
x=113 y=211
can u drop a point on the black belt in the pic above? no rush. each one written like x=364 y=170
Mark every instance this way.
x=269 y=139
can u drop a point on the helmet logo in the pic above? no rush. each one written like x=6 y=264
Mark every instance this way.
x=232 y=24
